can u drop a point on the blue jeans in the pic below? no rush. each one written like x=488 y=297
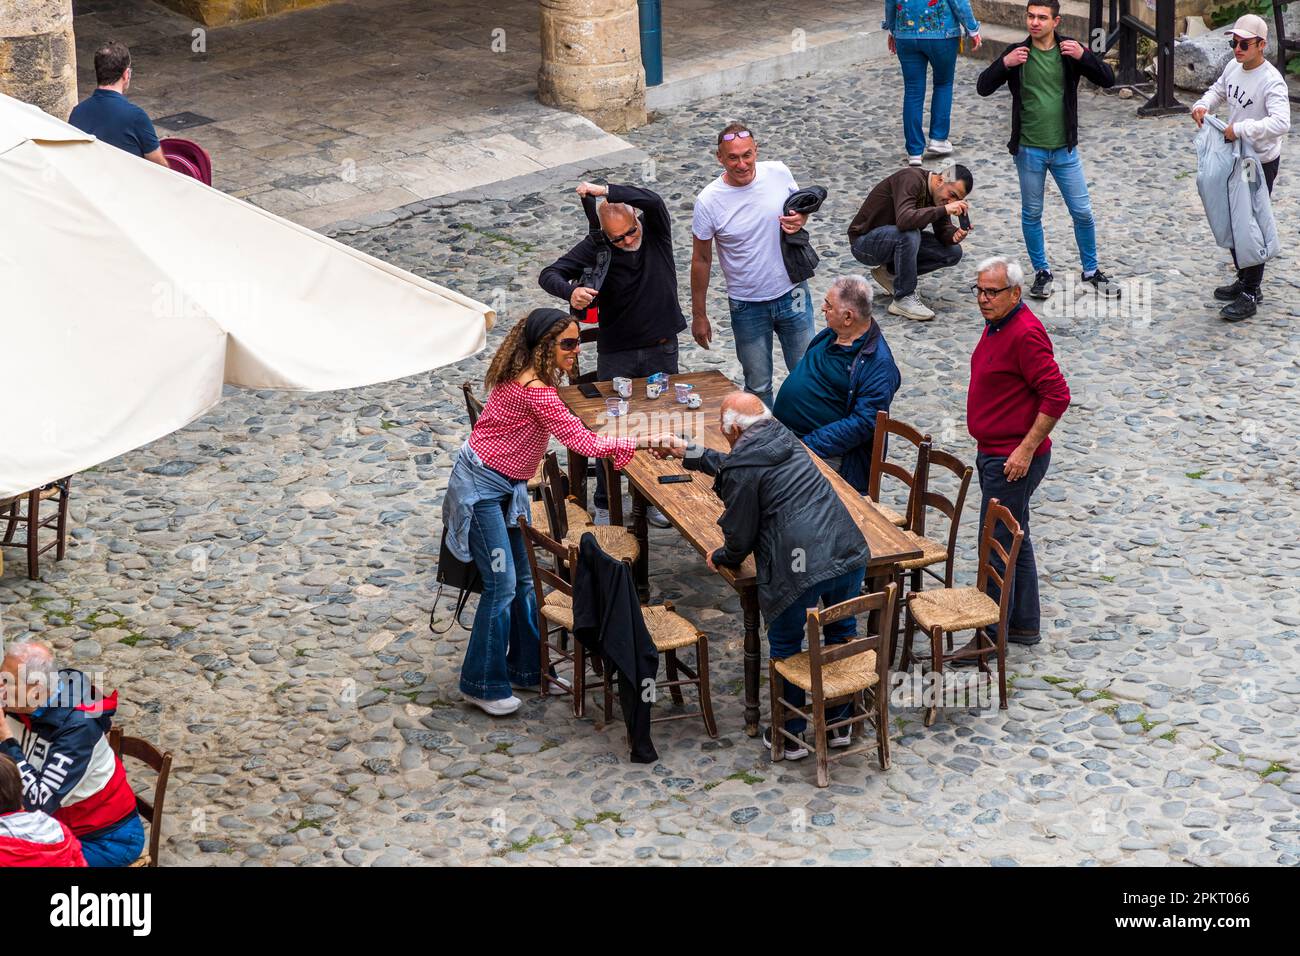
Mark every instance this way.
x=914 y=56
x=752 y=323
x=120 y=846
x=1066 y=167
x=905 y=253
x=785 y=634
x=1023 y=614
x=504 y=647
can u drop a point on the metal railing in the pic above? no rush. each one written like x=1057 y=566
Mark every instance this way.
x=1112 y=23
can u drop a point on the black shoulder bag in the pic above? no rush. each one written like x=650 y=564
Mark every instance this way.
x=453 y=572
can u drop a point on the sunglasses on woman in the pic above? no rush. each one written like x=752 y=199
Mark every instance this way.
x=569 y=345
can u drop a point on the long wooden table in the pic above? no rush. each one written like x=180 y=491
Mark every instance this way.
x=693 y=508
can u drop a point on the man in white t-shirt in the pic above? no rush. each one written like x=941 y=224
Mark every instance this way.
x=742 y=212
x=1260 y=112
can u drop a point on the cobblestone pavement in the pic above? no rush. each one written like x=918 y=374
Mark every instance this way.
x=257 y=585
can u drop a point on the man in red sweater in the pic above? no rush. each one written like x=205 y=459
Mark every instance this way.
x=1016 y=395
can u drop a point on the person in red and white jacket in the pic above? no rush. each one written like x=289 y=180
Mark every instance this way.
x=31 y=838
x=488 y=492
x=1017 y=394
x=54 y=726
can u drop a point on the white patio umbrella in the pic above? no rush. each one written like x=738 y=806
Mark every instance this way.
x=130 y=293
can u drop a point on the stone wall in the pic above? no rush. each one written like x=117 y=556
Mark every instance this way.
x=38 y=58
x=215 y=13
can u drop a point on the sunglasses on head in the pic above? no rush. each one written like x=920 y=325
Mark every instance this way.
x=1241 y=43
x=569 y=345
x=739 y=134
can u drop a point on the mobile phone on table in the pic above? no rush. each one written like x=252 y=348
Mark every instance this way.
x=673 y=479
x=589 y=390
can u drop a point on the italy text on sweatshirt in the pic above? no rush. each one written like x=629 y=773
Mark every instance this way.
x=1258 y=108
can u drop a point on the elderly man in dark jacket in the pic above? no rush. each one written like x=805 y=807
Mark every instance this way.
x=783 y=510
x=847 y=375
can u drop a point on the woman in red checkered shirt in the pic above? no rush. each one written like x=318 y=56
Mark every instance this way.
x=488 y=491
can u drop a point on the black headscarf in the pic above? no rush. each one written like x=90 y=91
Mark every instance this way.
x=539 y=322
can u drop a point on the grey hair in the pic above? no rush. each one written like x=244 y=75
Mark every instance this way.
x=36 y=659
x=854 y=292
x=1015 y=276
x=742 y=422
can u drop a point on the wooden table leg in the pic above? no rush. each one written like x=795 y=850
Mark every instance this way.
x=641 y=567
x=749 y=603
x=578 y=477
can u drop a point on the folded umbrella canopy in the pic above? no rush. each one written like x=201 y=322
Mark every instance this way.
x=129 y=294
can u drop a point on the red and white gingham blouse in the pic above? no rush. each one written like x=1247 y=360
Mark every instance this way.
x=517 y=423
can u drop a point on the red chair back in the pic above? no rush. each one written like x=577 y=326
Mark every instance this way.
x=188 y=158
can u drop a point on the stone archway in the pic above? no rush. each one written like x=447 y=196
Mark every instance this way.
x=591 y=61
x=38 y=56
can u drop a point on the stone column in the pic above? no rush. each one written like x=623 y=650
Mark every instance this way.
x=38 y=57
x=591 y=61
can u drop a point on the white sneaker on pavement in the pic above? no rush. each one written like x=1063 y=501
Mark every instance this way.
x=656 y=518
x=497 y=708
x=911 y=307
x=939 y=147
x=555 y=686
x=914 y=160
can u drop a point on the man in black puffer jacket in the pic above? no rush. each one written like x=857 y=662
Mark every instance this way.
x=783 y=510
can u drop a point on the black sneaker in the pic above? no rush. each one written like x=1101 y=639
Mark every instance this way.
x=793 y=751
x=1101 y=282
x=1243 y=307
x=1042 y=287
x=1229 y=292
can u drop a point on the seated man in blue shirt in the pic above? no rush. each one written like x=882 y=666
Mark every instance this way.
x=108 y=115
x=848 y=374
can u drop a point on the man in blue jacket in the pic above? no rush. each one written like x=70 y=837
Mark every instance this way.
x=848 y=374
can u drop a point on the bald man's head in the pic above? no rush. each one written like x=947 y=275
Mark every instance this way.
x=28 y=673
x=620 y=224
x=739 y=412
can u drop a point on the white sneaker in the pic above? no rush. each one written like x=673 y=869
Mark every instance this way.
x=497 y=708
x=939 y=147
x=840 y=737
x=602 y=516
x=793 y=751
x=883 y=278
x=656 y=518
x=910 y=307
x=914 y=160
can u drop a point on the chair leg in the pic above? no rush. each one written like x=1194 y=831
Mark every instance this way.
x=775 y=690
x=61 y=548
x=670 y=658
x=936 y=671
x=607 y=710
x=819 y=740
x=12 y=518
x=33 y=537
x=706 y=700
x=882 y=726
x=579 y=680
x=1002 y=666
x=909 y=632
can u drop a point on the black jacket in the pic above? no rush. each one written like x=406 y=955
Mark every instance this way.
x=638 y=298
x=783 y=510
x=1089 y=65
x=796 y=248
x=607 y=620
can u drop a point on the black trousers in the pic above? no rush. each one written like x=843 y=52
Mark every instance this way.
x=1252 y=276
x=632 y=363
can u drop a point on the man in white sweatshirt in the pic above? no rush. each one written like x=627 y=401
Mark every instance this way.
x=1258 y=111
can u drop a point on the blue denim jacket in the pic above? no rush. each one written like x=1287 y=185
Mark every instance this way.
x=929 y=19
x=471 y=482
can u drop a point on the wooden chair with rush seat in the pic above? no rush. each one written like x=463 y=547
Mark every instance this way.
x=669 y=631
x=948 y=610
x=857 y=670
x=25 y=511
x=881 y=466
x=151 y=810
x=561 y=510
